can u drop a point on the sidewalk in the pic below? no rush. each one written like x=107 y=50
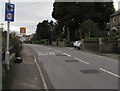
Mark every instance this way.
x=26 y=75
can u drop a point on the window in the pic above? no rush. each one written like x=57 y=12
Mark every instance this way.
x=119 y=19
x=113 y=20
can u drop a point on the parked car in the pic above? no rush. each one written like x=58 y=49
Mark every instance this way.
x=77 y=44
x=18 y=60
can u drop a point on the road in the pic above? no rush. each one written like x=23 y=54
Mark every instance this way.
x=66 y=68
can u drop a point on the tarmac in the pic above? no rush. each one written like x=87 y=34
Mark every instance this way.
x=26 y=75
x=110 y=55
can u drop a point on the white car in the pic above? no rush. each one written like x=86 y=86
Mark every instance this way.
x=77 y=44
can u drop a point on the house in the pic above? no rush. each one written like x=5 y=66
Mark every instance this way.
x=115 y=20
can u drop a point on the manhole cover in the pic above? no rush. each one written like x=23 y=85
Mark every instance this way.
x=90 y=71
x=71 y=61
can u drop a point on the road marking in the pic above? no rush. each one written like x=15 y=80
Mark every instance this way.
x=69 y=48
x=57 y=51
x=45 y=53
x=66 y=54
x=82 y=61
x=109 y=72
x=40 y=72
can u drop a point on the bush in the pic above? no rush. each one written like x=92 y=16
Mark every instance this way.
x=15 y=45
x=91 y=40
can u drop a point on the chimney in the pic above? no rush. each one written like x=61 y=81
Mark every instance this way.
x=119 y=5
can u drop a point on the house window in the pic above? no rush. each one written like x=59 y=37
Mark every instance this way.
x=113 y=20
x=119 y=18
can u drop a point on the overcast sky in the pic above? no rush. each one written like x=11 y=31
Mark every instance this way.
x=29 y=14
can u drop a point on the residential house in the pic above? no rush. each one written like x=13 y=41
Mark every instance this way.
x=115 y=21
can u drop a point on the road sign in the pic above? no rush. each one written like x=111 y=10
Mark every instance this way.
x=23 y=31
x=9 y=12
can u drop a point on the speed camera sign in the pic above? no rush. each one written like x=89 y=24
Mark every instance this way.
x=9 y=12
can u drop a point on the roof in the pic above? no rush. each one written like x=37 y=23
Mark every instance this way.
x=116 y=13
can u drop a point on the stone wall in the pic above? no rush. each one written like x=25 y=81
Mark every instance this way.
x=93 y=46
x=59 y=43
x=105 y=47
x=109 y=46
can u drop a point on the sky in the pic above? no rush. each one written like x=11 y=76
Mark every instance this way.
x=28 y=13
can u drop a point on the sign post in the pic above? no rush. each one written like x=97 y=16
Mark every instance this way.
x=9 y=17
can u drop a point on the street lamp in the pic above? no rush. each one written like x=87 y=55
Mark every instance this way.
x=1 y=25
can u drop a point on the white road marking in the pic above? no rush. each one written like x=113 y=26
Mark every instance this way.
x=82 y=61
x=45 y=53
x=40 y=72
x=66 y=54
x=109 y=72
x=57 y=51
x=49 y=48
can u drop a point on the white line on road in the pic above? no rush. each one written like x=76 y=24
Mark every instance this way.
x=41 y=75
x=66 y=54
x=82 y=61
x=109 y=72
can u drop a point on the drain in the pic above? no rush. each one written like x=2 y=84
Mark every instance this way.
x=71 y=61
x=90 y=71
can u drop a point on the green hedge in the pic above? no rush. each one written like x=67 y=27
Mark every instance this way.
x=97 y=39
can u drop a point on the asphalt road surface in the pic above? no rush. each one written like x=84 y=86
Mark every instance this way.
x=67 y=68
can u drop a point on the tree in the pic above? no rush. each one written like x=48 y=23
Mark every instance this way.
x=89 y=28
x=73 y=14
x=43 y=30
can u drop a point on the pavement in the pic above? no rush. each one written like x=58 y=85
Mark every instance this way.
x=65 y=68
x=26 y=75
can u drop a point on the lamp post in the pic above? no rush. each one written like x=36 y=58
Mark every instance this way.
x=2 y=26
x=1 y=29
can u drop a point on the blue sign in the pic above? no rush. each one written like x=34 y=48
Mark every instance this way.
x=9 y=12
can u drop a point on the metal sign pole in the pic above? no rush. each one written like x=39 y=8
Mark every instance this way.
x=7 y=55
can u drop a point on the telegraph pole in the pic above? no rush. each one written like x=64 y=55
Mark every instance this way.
x=51 y=35
x=7 y=54
x=68 y=33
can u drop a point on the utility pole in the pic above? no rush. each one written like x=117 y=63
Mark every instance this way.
x=7 y=54
x=89 y=31
x=68 y=33
x=51 y=35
